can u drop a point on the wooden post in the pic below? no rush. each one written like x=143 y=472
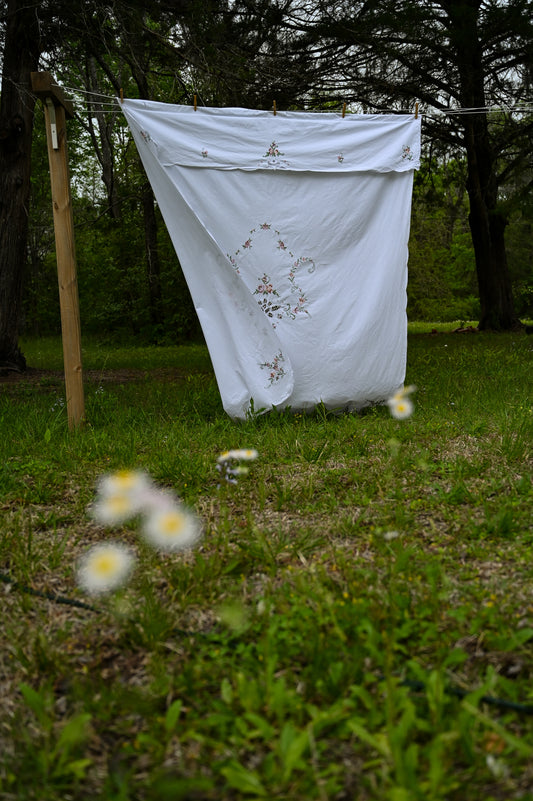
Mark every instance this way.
x=56 y=110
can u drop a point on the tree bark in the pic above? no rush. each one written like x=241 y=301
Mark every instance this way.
x=487 y=222
x=487 y=226
x=21 y=56
x=152 y=257
x=153 y=262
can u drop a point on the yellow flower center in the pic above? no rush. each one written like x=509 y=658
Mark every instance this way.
x=105 y=564
x=172 y=524
x=118 y=504
x=125 y=479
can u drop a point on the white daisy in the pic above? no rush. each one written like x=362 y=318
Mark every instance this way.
x=400 y=405
x=114 y=509
x=171 y=528
x=105 y=567
x=244 y=454
x=238 y=455
x=401 y=408
x=120 y=496
x=124 y=482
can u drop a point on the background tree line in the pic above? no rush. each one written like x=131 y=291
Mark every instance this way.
x=470 y=251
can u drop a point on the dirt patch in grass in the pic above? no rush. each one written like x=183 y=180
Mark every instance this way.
x=34 y=377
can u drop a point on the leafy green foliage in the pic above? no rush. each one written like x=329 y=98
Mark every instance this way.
x=442 y=276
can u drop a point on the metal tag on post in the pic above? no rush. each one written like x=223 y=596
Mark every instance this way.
x=53 y=126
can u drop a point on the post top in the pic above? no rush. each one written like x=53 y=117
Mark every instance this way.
x=43 y=86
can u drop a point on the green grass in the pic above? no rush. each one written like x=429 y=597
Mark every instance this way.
x=301 y=651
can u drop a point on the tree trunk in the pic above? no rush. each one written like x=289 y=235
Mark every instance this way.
x=487 y=225
x=21 y=55
x=487 y=222
x=153 y=262
x=152 y=256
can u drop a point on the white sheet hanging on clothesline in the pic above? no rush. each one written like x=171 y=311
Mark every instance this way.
x=291 y=230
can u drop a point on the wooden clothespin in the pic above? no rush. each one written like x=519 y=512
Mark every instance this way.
x=274 y=107
x=416 y=111
x=122 y=95
x=343 y=110
x=195 y=102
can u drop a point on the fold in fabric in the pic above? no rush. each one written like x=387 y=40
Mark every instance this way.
x=292 y=234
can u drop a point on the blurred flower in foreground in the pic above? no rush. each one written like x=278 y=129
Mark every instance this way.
x=105 y=567
x=171 y=528
x=238 y=455
x=228 y=463
x=124 y=482
x=112 y=510
x=165 y=524
x=120 y=496
x=401 y=406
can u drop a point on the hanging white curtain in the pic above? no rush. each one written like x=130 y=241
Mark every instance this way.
x=291 y=230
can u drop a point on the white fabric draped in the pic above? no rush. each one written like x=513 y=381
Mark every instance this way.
x=291 y=230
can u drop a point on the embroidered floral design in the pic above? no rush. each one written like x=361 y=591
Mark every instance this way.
x=267 y=293
x=146 y=136
x=303 y=260
x=340 y=158
x=275 y=368
x=272 y=158
x=205 y=153
x=273 y=150
x=406 y=153
x=302 y=299
x=277 y=302
x=265 y=288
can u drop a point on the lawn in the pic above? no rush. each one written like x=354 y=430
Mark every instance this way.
x=356 y=621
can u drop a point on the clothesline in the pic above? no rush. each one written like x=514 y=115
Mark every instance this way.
x=107 y=102
x=495 y=109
